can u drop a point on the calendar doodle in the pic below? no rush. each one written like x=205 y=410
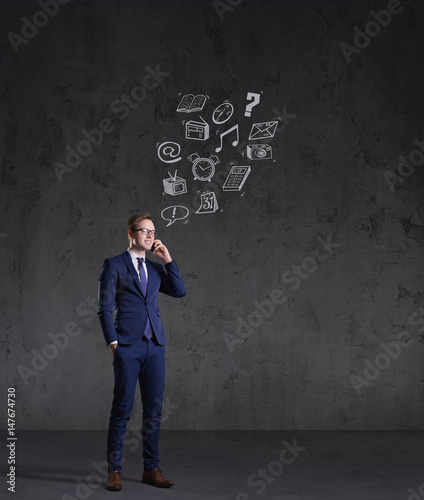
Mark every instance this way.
x=208 y=203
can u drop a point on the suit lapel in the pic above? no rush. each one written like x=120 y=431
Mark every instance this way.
x=130 y=266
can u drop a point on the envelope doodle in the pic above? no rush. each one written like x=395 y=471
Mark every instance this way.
x=264 y=130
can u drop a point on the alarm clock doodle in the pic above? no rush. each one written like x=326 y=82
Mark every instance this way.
x=203 y=168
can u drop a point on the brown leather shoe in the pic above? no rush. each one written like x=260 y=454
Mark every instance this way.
x=155 y=478
x=114 y=481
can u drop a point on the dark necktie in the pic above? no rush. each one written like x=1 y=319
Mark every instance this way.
x=148 y=332
x=143 y=280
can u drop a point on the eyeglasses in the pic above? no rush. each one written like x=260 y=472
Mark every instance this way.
x=146 y=231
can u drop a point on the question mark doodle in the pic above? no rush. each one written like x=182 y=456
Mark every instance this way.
x=256 y=98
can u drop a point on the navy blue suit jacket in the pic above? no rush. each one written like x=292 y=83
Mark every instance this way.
x=123 y=309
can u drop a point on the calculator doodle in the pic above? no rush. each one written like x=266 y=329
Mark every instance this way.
x=236 y=178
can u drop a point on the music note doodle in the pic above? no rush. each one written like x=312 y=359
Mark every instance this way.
x=219 y=148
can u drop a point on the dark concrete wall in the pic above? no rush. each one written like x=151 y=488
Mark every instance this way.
x=257 y=342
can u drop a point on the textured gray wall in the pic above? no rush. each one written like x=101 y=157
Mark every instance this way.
x=331 y=351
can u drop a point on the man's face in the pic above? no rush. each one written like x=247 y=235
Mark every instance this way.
x=142 y=241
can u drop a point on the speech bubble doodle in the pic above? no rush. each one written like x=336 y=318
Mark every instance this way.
x=256 y=98
x=171 y=150
x=174 y=213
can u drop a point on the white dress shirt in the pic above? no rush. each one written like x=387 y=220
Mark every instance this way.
x=134 y=260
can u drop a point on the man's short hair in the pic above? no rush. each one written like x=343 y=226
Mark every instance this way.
x=135 y=219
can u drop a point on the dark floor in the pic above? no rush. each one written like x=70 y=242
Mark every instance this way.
x=220 y=465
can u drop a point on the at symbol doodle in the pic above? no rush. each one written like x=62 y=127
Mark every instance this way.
x=171 y=150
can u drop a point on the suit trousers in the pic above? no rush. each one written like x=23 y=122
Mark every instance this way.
x=143 y=361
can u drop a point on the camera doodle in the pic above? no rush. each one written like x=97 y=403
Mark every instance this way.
x=259 y=151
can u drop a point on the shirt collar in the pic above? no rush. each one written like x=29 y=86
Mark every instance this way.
x=133 y=255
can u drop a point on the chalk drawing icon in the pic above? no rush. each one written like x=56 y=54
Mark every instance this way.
x=174 y=185
x=227 y=132
x=236 y=178
x=197 y=130
x=223 y=113
x=191 y=103
x=264 y=130
x=169 y=150
x=174 y=213
x=203 y=168
x=259 y=151
x=255 y=100
x=208 y=203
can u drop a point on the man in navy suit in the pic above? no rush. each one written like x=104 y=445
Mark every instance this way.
x=128 y=288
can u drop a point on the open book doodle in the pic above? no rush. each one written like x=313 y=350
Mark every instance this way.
x=190 y=103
